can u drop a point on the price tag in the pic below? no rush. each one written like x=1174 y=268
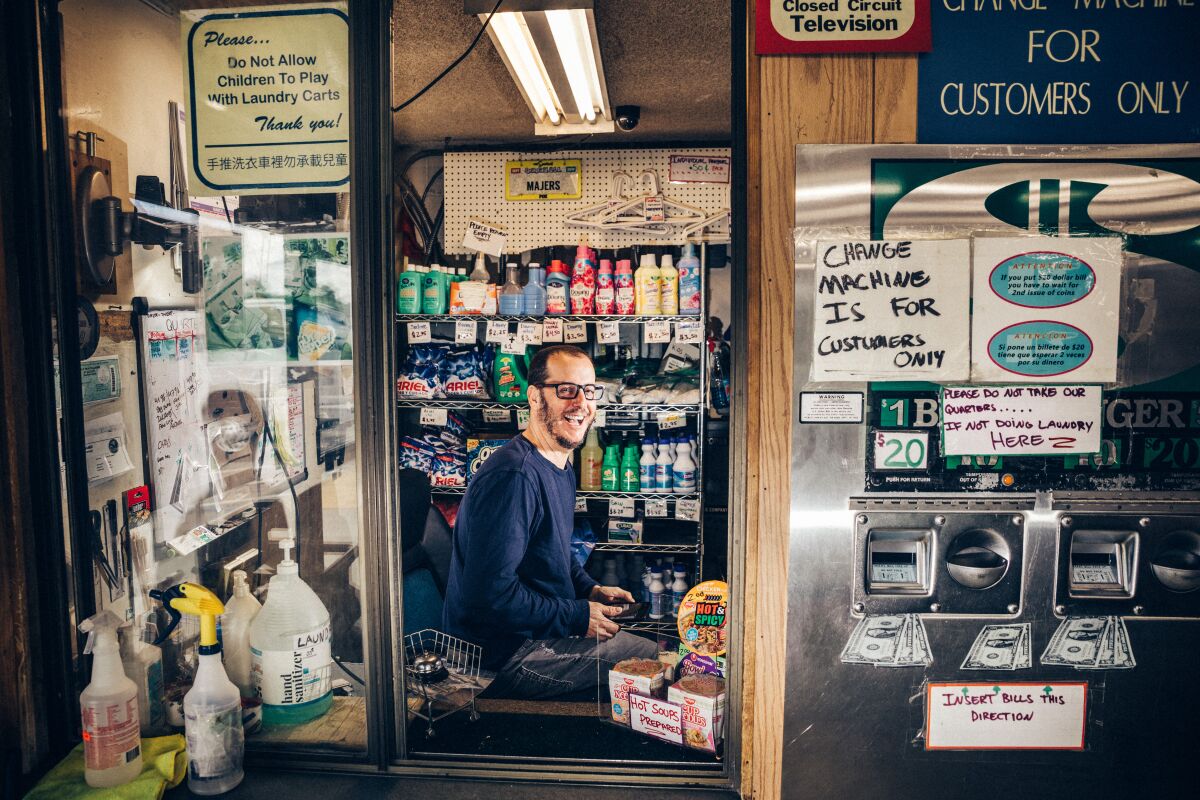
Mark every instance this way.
x=671 y=419
x=688 y=332
x=658 y=331
x=496 y=415
x=608 y=332
x=901 y=450
x=522 y=418
x=484 y=238
x=656 y=507
x=529 y=332
x=464 y=332
x=418 y=333
x=655 y=209
x=601 y=419
x=552 y=330
x=687 y=508
x=433 y=416
x=574 y=332
x=580 y=505
x=496 y=331
x=512 y=344
x=621 y=507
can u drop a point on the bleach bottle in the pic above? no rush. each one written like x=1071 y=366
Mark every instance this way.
x=291 y=649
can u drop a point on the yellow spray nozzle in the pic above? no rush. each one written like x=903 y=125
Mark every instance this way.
x=191 y=598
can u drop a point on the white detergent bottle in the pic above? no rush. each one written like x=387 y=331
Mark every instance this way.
x=683 y=472
x=142 y=663
x=112 y=743
x=646 y=466
x=291 y=649
x=240 y=612
x=647 y=293
x=668 y=283
x=658 y=594
x=662 y=467
x=679 y=588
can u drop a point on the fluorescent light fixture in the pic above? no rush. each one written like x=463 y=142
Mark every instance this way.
x=552 y=52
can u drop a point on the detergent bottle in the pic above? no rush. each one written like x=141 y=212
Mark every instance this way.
x=212 y=708
x=647 y=291
x=291 y=649
x=112 y=743
x=689 y=281
x=240 y=612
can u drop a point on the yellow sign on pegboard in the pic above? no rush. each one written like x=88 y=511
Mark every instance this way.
x=544 y=179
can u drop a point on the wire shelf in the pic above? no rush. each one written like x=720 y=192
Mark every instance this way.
x=630 y=547
x=607 y=408
x=630 y=318
x=635 y=496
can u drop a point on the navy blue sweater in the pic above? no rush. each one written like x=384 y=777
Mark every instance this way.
x=512 y=577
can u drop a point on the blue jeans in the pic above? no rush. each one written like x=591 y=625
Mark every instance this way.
x=543 y=668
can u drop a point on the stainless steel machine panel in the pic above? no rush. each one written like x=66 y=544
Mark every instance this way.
x=854 y=730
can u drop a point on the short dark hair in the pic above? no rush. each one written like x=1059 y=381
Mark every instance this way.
x=539 y=366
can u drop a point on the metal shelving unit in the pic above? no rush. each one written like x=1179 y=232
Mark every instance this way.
x=695 y=421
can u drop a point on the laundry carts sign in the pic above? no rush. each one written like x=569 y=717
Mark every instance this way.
x=268 y=99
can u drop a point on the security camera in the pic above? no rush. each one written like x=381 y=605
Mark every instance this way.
x=628 y=116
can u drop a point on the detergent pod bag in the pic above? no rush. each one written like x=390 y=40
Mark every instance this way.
x=510 y=375
x=416 y=453
x=421 y=374
x=465 y=374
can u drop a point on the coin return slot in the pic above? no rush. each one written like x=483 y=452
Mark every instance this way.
x=978 y=559
x=1176 y=564
x=898 y=562
x=1103 y=563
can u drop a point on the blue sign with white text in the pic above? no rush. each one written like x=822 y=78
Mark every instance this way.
x=1061 y=72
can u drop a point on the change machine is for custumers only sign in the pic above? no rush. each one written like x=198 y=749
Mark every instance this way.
x=994 y=569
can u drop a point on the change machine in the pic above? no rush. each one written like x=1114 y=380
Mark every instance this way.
x=994 y=585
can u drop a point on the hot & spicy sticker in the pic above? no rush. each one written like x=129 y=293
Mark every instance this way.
x=702 y=618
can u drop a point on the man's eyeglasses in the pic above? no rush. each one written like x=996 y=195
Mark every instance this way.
x=569 y=391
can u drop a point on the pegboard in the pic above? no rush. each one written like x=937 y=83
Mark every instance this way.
x=474 y=187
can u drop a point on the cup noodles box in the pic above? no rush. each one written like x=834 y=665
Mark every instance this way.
x=702 y=701
x=642 y=676
x=480 y=448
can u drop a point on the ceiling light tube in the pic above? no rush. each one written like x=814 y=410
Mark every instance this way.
x=573 y=42
x=512 y=34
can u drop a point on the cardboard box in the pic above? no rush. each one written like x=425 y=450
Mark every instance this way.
x=625 y=530
x=641 y=676
x=702 y=701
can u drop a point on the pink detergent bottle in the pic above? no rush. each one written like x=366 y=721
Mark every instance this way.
x=583 y=282
x=626 y=301
x=606 y=291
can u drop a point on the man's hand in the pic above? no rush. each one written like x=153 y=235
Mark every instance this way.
x=610 y=594
x=599 y=625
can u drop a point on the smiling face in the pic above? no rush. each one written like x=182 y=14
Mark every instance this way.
x=564 y=423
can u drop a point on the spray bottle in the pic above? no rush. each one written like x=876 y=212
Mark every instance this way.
x=112 y=745
x=212 y=708
x=240 y=611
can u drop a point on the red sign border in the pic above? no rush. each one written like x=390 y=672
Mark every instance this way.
x=929 y=699
x=767 y=41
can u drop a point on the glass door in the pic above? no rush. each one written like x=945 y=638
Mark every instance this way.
x=210 y=170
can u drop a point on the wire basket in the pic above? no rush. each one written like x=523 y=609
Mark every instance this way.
x=437 y=698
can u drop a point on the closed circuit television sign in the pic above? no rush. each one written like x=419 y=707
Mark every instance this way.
x=842 y=26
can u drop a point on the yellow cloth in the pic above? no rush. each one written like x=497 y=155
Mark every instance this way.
x=164 y=764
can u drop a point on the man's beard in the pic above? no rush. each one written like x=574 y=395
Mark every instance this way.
x=562 y=441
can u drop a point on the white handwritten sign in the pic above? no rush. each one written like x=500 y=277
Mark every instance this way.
x=688 y=332
x=1045 y=309
x=522 y=418
x=434 y=416
x=552 y=330
x=1020 y=420
x=687 y=508
x=621 y=507
x=418 y=332
x=464 y=331
x=580 y=505
x=891 y=310
x=658 y=331
x=656 y=507
x=269 y=100
x=494 y=415
x=1005 y=716
x=656 y=718
x=575 y=332
x=608 y=332
x=483 y=237
x=512 y=344
x=529 y=332
x=497 y=331
x=699 y=169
